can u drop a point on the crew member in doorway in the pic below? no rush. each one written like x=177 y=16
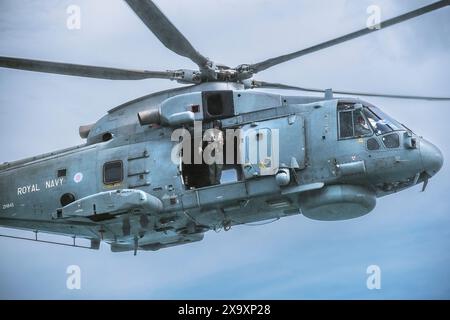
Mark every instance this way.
x=215 y=140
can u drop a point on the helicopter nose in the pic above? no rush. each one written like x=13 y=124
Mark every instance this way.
x=432 y=158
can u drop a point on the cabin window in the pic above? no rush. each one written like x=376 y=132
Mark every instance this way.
x=62 y=173
x=113 y=172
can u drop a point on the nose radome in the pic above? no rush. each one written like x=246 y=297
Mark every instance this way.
x=432 y=158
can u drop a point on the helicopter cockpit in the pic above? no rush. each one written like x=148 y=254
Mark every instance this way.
x=357 y=120
x=380 y=121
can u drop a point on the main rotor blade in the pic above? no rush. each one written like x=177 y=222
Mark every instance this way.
x=83 y=70
x=257 y=67
x=165 y=31
x=268 y=85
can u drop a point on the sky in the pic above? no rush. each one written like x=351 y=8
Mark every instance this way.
x=407 y=235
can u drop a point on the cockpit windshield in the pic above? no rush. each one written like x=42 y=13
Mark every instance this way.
x=380 y=121
x=358 y=120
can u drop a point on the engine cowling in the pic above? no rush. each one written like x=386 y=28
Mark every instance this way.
x=337 y=202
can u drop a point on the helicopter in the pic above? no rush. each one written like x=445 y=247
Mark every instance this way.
x=151 y=173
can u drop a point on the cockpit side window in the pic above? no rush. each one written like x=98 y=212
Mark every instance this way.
x=352 y=122
x=362 y=127
x=345 y=124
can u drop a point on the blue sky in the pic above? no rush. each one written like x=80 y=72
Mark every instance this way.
x=407 y=235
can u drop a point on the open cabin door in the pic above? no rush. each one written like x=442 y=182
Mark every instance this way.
x=267 y=146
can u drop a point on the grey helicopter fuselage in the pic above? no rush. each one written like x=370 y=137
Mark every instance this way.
x=122 y=186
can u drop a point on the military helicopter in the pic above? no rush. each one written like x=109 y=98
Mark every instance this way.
x=134 y=186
